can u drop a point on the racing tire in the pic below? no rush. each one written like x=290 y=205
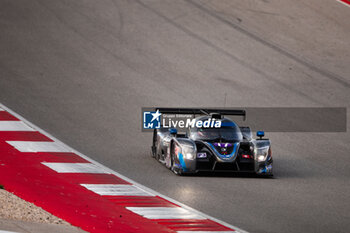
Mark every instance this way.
x=269 y=175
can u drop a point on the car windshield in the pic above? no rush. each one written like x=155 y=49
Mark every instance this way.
x=226 y=133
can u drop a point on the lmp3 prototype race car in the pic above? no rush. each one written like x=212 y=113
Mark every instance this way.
x=228 y=148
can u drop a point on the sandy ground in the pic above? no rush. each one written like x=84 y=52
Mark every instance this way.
x=14 y=208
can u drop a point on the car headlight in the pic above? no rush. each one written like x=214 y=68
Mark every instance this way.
x=261 y=153
x=188 y=152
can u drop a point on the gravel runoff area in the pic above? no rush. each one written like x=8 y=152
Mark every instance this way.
x=14 y=208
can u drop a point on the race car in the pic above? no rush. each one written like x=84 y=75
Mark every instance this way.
x=228 y=148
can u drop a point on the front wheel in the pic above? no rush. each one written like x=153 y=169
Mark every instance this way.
x=265 y=172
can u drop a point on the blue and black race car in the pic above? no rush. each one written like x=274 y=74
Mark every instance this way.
x=227 y=148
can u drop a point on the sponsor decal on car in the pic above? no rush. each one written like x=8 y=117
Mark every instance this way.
x=201 y=155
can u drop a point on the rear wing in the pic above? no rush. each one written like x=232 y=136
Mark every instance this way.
x=203 y=111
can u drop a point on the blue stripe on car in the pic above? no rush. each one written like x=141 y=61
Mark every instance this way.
x=182 y=162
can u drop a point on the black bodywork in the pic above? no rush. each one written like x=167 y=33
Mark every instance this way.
x=230 y=148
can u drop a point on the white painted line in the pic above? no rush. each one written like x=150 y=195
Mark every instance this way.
x=344 y=3
x=1 y=109
x=108 y=170
x=7 y=231
x=165 y=213
x=207 y=232
x=117 y=190
x=25 y=146
x=75 y=167
x=14 y=126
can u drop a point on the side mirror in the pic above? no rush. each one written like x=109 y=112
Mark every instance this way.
x=173 y=131
x=260 y=134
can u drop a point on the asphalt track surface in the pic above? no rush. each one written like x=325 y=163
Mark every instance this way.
x=82 y=70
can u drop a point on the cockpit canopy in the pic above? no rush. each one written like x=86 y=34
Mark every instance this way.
x=229 y=131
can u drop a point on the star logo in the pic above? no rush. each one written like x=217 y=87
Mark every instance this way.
x=151 y=120
x=156 y=115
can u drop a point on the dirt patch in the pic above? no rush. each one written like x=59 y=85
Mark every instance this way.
x=13 y=207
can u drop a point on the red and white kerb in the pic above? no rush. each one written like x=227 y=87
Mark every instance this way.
x=40 y=169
